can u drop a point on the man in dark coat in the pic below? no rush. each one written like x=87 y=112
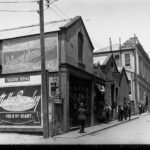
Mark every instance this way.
x=82 y=117
x=125 y=110
x=129 y=110
x=107 y=111
x=120 y=113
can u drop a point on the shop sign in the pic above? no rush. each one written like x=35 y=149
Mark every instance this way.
x=17 y=79
x=24 y=54
x=20 y=106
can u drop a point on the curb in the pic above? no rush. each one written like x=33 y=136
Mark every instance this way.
x=107 y=127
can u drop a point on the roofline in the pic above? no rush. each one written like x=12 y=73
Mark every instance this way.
x=24 y=36
x=113 y=51
x=73 y=21
x=29 y=26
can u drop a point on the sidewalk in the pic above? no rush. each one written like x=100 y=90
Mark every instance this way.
x=17 y=138
x=96 y=128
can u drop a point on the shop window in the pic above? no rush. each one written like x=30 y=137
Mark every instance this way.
x=80 y=47
x=127 y=59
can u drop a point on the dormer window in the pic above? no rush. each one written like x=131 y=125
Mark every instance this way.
x=80 y=47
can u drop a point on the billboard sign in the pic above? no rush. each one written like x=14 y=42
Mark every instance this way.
x=20 y=105
x=24 y=54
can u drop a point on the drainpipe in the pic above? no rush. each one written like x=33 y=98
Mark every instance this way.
x=120 y=52
x=135 y=72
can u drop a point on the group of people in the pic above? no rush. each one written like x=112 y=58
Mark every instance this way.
x=124 y=112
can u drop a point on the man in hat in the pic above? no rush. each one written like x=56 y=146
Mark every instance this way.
x=82 y=117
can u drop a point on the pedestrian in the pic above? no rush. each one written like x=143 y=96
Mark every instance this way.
x=120 y=113
x=82 y=112
x=107 y=110
x=129 y=110
x=125 y=110
x=140 y=109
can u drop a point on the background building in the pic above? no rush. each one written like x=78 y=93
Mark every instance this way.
x=116 y=83
x=132 y=56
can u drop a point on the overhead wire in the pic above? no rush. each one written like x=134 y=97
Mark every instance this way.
x=61 y=11
x=19 y=1
x=56 y=13
x=5 y=10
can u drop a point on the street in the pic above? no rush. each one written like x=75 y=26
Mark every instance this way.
x=131 y=132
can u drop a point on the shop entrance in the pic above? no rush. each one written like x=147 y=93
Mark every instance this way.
x=112 y=100
x=99 y=103
x=79 y=91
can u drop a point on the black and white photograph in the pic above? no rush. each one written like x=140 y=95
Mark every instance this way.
x=75 y=72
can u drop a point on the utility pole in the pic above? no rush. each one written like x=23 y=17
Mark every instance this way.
x=43 y=73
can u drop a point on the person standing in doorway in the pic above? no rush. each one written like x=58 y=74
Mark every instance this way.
x=140 y=109
x=82 y=112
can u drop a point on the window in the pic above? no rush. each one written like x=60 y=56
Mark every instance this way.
x=80 y=47
x=127 y=59
x=117 y=60
x=129 y=86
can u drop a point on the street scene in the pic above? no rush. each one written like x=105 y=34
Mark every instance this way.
x=74 y=73
x=134 y=131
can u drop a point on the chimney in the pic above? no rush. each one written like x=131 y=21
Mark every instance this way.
x=119 y=43
x=110 y=44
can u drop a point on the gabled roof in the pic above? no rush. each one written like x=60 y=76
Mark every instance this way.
x=32 y=29
x=53 y=26
x=115 y=47
x=102 y=59
x=97 y=68
x=122 y=73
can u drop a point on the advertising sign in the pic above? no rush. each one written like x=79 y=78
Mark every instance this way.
x=24 y=54
x=20 y=105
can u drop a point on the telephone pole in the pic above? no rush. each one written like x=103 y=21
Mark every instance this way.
x=43 y=73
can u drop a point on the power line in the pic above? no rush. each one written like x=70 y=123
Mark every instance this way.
x=60 y=11
x=19 y=1
x=33 y=25
x=96 y=43
x=56 y=13
x=5 y=10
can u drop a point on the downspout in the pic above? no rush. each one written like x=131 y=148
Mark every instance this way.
x=135 y=72
x=120 y=52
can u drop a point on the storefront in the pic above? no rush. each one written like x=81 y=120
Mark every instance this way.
x=99 y=103
x=79 y=91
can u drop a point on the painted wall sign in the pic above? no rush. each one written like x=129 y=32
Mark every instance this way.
x=17 y=79
x=20 y=106
x=23 y=54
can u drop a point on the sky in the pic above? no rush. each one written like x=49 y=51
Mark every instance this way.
x=103 y=19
